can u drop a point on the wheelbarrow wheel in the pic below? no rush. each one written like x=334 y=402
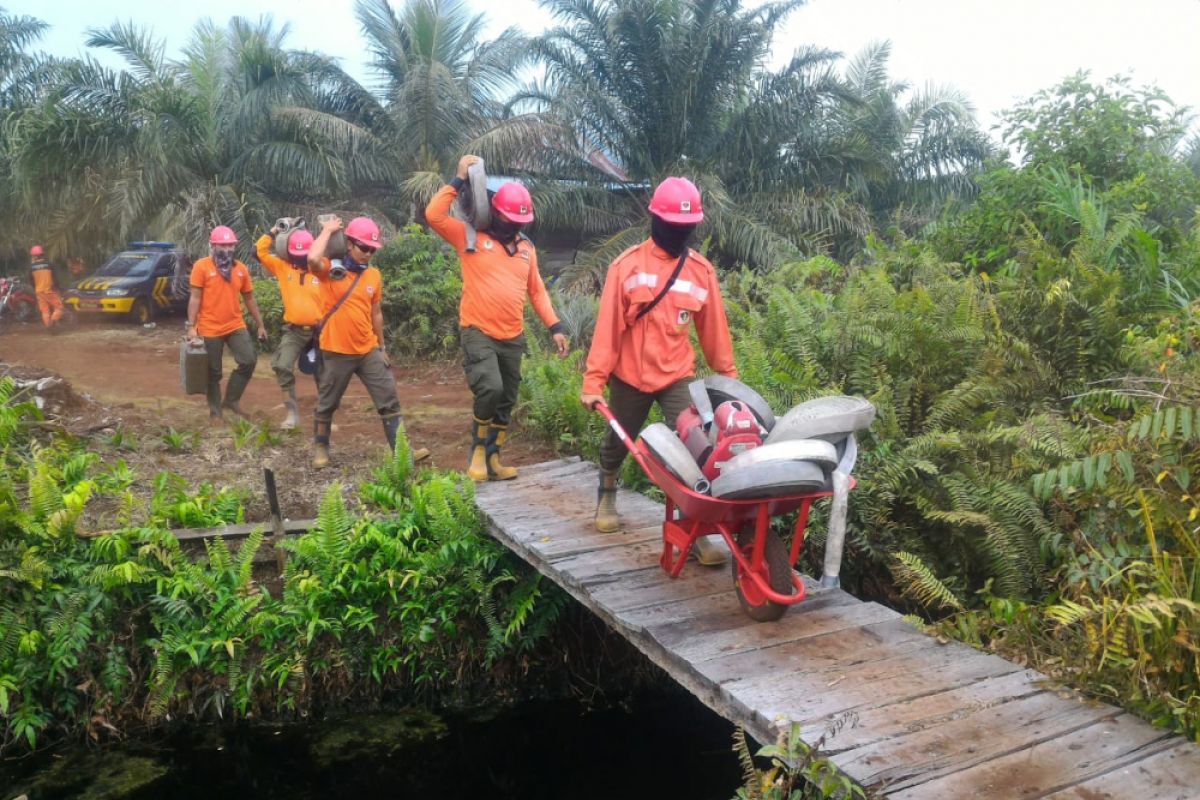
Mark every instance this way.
x=778 y=566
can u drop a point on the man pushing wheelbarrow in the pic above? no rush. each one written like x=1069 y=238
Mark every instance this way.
x=641 y=348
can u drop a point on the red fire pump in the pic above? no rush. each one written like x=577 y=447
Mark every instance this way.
x=734 y=430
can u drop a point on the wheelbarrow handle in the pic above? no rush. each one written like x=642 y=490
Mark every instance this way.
x=629 y=442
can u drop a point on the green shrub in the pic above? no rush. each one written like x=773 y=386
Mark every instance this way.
x=422 y=287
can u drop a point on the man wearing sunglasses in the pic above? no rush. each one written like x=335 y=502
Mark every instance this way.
x=351 y=337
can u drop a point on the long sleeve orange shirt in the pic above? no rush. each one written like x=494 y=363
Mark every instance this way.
x=652 y=353
x=495 y=283
x=299 y=288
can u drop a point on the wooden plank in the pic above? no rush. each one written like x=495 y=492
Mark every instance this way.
x=978 y=736
x=809 y=697
x=1172 y=774
x=1050 y=766
x=530 y=470
x=829 y=653
x=691 y=608
x=554 y=547
x=241 y=530
x=652 y=586
x=857 y=729
x=715 y=635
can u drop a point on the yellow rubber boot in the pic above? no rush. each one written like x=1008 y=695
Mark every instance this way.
x=321 y=431
x=497 y=436
x=607 y=520
x=477 y=468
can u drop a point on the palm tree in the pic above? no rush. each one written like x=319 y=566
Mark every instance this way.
x=443 y=87
x=665 y=87
x=237 y=128
x=912 y=155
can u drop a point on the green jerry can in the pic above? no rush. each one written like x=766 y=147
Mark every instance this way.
x=193 y=367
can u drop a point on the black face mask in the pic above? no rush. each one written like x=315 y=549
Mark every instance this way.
x=503 y=229
x=224 y=262
x=672 y=238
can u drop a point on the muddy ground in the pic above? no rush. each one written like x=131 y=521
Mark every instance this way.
x=123 y=394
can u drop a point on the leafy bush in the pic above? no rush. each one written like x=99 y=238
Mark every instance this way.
x=126 y=627
x=422 y=287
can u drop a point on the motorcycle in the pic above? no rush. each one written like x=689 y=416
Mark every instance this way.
x=17 y=304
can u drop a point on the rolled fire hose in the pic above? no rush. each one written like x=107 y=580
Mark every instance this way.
x=473 y=207
x=835 y=537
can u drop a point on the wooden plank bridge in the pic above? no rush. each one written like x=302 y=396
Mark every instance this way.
x=897 y=709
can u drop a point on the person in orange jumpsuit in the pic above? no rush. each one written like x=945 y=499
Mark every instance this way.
x=300 y=293
x=44 y=286
x=497 y=277
x=215 y=315
x=653 y=294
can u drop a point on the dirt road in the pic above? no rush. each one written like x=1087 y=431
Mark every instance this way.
x=132 y=375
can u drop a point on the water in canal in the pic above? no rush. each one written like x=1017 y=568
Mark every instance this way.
x=663 y=744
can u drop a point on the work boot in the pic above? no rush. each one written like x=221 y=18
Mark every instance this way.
x=213 y=395
x=391 y=427
x=497 y=436
x=293 y=413
x=711 y=550
x=321 y=429
x=477 y=468
x=233 y=392
x=607 y=520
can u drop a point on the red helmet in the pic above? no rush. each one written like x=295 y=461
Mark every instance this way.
x=36 y=250
x=364 y=231
x=222 y=235
x=299 y=243
x=513 y=203
x=677 y=200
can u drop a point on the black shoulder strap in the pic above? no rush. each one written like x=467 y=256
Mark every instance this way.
x=670 y=282
x=341 y=300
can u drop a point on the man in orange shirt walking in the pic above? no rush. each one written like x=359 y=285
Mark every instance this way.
x=352 y=342
x=300 y=292
x=215 y=315
x=49 y=300
x=497 y=277
x=641 y=348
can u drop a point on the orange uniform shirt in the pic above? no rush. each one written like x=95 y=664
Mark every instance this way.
x=298 y=287
x=43 y=278
x=220 y=309
x=495 y=284
x=656 y=351
x=350 y=330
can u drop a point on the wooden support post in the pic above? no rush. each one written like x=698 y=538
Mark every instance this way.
x=276 y=520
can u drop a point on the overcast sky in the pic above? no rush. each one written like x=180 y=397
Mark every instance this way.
x=997 y=51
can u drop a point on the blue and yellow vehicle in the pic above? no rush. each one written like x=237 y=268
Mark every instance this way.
x=141 y=283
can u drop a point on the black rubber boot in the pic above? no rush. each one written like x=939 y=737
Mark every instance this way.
x=213 y=394
x=321 y=431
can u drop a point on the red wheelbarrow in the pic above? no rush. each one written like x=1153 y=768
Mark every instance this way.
x=763 y=568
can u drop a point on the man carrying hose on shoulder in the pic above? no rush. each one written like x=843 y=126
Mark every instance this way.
x=497 y=277
x=641 y=348
x=300 y=293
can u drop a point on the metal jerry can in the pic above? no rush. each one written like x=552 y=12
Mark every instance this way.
x=193 y=367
